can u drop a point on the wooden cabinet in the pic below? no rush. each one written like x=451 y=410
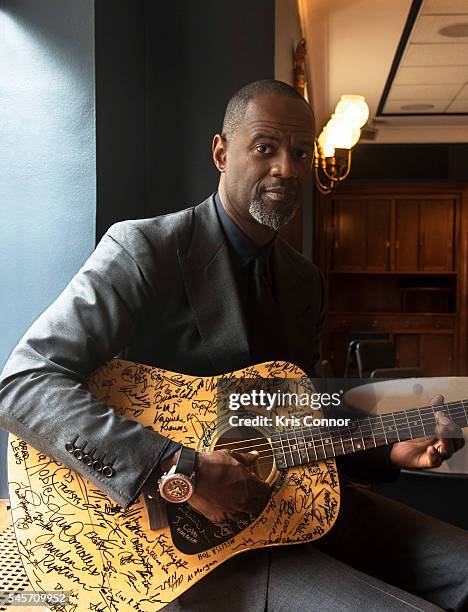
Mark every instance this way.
x=349 y=235
x=361 y=234
x=436 y=235
x=406 y=245
x=398 y=234
x=433 y=353
x=394 y=259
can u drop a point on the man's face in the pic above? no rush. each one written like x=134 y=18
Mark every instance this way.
x=268 y=160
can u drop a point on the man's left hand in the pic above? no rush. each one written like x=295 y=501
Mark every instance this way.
x=431 y=451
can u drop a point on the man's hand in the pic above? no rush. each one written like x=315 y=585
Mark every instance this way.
x=224 y=487
x=431 y=451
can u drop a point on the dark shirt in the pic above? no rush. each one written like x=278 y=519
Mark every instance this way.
x=242 y=249
x=253 y=273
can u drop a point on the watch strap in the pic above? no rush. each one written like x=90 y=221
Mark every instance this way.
x=186 y=462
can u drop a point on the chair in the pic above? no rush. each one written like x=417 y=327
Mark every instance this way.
x=373 y=355
x=353 y=339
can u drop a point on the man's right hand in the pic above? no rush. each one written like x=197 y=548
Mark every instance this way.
x=225 y=488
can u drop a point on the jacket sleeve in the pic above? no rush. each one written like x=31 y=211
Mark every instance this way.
x=43 y=399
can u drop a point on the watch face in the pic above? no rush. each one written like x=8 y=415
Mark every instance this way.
x=176 y=489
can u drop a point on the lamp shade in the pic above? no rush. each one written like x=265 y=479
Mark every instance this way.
x=340 y=133
x=354 y=108
x=325 y=144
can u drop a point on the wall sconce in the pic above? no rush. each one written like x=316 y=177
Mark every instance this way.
x=332 y=154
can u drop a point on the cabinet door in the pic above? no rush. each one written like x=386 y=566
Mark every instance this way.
x=436 y=235
x=349 y=222
x=378 y=235
x=433 y=353
x=437 y=354
x=407 y=349
x=406 y=235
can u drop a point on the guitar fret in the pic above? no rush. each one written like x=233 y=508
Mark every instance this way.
x=409 y=426
x=326 y=442
x=287 y=446
x=422 y=422
x=295 y=447
x=372 y=432
x=306 y=446
x=362 y=436
x=414 y=423
x=396 y=427
x=302 y=450
x=389 y=429
x=351 y=437
x=311 y=443
x=332 y=442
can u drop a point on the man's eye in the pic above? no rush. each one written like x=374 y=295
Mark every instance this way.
x=301 y=154
x=263 y=148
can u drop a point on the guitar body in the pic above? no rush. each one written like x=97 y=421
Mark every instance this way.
x=73 y=538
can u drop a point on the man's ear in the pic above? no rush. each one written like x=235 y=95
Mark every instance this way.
x=219 y=151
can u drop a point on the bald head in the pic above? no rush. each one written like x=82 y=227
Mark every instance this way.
x=237 y=105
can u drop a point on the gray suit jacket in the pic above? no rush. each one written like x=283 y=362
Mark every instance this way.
x=159 y=291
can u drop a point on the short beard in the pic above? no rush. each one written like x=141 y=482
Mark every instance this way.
x=272 y=218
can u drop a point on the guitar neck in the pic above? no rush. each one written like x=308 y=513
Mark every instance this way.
x=303 y=445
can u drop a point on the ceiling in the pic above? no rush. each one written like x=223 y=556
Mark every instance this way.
x=416 y=88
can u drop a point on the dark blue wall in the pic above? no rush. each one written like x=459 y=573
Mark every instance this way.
x=47 y=159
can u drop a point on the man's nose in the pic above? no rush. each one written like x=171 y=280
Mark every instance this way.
x=284 y=165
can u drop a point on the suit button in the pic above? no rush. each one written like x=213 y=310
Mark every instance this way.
x=87 y=459
x=70 y=447
x=107 y=471
x=97 y=465
x=78 y=454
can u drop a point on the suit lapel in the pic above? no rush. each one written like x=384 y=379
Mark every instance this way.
x=212 y=293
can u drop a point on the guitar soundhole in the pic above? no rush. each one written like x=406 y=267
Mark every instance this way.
x=191 y=532
x=245 y=439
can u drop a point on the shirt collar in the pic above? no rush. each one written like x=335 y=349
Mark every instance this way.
x=244 y=248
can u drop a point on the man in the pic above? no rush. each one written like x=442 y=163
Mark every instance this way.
x=204 y=291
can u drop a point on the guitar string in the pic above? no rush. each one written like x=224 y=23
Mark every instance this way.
x=319 y=437
x=395 y=416
x=314 y=444
x=320 y=453
x=431 y=409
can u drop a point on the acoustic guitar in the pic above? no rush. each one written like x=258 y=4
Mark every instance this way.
x=73 y=538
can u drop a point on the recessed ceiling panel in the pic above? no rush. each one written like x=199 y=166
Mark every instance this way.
x=455 y=54
x=441 y=29
x=445 y=7
x=433 y=92
x=463 y=93
x=418 y=75
x=430 y=66
x=421 y=106
x=458 y=106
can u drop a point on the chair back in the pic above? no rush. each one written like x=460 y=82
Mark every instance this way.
x=373 y=355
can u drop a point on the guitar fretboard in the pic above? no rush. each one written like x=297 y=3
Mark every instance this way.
x=302 y=445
